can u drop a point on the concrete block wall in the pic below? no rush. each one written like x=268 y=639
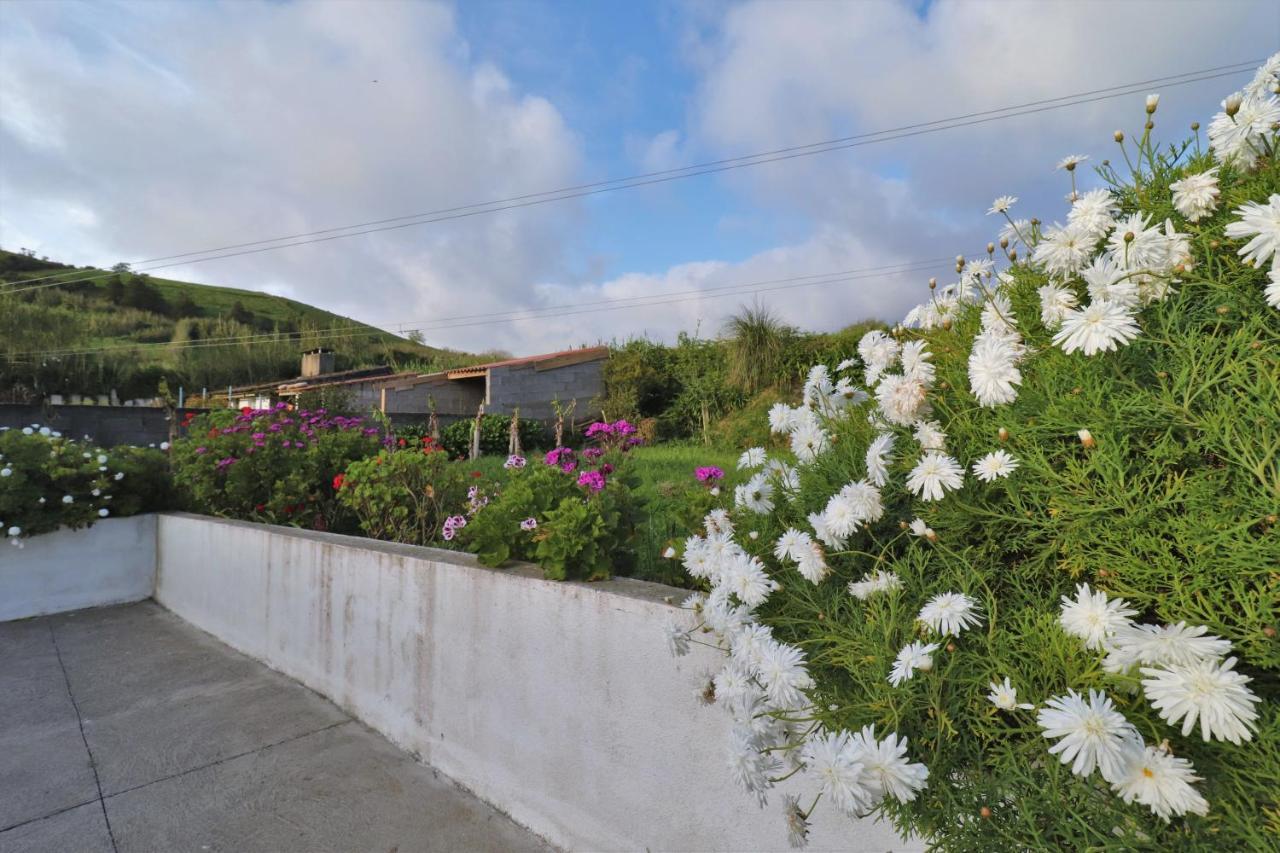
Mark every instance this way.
x=533 y=390
x=106 y=425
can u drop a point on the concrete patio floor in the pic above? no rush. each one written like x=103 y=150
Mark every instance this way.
x=125 y=729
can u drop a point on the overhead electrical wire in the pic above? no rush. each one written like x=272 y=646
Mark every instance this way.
x=647 y=179
x=740 y=289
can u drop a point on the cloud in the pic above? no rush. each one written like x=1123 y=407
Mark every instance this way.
x=142 y=131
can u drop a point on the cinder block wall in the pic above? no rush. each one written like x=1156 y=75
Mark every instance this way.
x=533 y=390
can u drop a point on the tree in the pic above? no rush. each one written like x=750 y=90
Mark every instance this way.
x=240 y=314
x=115 y=290
x=185 y=306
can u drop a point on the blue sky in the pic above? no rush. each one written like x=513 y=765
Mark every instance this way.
x=131 y=130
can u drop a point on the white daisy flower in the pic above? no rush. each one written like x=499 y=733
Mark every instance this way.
x=1090 y=733
x=1137 y=245
x=915 y=362
x=1196 y=196
x=930 y=435
x=756 y=494
x=781 y=418
x=752 y=457
x=1208 y=690
x=1262 y=223
x=746 y=578
x=1005 y=696
x=1056 y=303
x=879 y=455
x=886 y=763
x=878 y=352
x=949 y=613
x=1242 y=137
x=790 y=544
x=808 y=442
x=919 y=528
x=1098 y=327
x=1071 y=161
x=783 y=675
x=901 y=399
x=750 y=767
x=913 y=656
x=1093 y=212
x=1002 y=204
x=797 y=821
x=1064 y=249
x=1093 y=617
x=834 y=760
x=1108 y=281
x=863 y=500
x=997 y=463
x=1266 y=79
x=1272 y=292
x=933 y=475
x=993 y=371
x=873 y=583
x=812 y=564
x=1162 y=645
x=1158 y=780
x=677 y=638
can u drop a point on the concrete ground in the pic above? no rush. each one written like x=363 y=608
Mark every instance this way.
x=125 y=729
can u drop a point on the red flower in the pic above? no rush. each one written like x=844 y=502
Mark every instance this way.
x=403 y=443
x=244 y=410
x=260 y=507
x=338 y=481
x=476 y=474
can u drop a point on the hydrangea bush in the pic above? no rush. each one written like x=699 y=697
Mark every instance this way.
x=1021 y=589
x=48 y=481
x=275 y=465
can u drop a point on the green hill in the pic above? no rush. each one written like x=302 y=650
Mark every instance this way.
x=105 y=330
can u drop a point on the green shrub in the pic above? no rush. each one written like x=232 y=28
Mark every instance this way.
x=1148 y=470
x=404 y=495
x=273 y=465
x=40 y=470
x=495 y=431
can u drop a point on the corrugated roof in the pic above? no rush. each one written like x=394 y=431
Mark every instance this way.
x=559 y=359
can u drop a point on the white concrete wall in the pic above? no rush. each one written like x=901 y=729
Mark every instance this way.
x=558 y=703
x=112 y=562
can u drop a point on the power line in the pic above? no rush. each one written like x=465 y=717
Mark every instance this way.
x=647 y=179
x=748 y=288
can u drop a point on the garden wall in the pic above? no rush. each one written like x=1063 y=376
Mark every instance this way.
x=112 y=562
x=556 y=702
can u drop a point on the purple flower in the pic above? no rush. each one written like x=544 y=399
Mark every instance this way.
x=225 y=463
x=202 y=450
x=593 y=453
x=606 y=468
x=709 y=474
x=514 y=461
x=621 y=427
x=599 y=428
x=560 y=456
x=529 y=524
x=593 y=480
x=451 y=526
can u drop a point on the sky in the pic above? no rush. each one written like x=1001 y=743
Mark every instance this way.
x=131 y=131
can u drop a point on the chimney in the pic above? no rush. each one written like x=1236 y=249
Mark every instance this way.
x=316 y=362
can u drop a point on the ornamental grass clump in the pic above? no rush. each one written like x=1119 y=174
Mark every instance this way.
x=1023 y=591
x=48 y=481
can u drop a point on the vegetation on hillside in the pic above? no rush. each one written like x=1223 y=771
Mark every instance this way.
x=118 y=331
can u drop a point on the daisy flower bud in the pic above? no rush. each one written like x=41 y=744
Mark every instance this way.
x=1195 y=126
x=1231 y=105
x=1003 y=434
x=1152 y=101
x=991 y=248
x=1119 y=136
x=1086 y=438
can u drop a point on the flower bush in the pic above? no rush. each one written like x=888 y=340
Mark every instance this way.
x=403 y=495
x=1022 y=593
x=274 y=465
x=49 y=481
x=573 y=514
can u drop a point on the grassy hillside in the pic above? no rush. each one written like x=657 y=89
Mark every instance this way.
x=144 y=329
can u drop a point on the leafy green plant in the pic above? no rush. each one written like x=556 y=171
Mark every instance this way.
x=494 y=435
x=403 y=495
x=48 y=481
